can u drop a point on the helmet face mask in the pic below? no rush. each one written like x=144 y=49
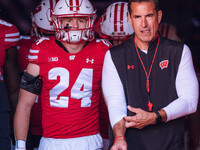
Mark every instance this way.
x=68 y=32
x=115 y=24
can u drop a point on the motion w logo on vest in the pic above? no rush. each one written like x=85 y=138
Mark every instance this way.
x=164 y=64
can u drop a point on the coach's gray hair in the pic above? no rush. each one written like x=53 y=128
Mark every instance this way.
x=156 y=4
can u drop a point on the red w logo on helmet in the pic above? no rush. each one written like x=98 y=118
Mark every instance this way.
x=164 y=64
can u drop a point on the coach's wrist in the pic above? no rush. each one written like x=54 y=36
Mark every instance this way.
x=120 y=137
x=163 y=115
x=158 y=117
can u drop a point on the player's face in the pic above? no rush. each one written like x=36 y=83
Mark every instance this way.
x=74 y=22
x=145 y=21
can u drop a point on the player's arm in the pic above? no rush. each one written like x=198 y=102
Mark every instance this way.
x=12 y=76
x=27 y=96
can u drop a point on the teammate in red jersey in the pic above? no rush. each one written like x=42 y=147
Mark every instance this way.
x=69 y=66
x=42 y=26
x=9 y=79
x=115 y=27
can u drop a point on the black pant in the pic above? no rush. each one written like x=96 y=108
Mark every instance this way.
x=5 y=142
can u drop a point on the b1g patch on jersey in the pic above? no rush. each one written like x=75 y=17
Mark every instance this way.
x=52 y=59
x=164 y=64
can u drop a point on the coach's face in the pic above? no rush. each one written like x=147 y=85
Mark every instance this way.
x=145 y=22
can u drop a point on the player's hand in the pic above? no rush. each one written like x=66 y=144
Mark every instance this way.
x=120 y=144
x=141 y=119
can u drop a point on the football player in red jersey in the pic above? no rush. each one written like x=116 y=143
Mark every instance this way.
x=115 y=27
x=42 y=26
x=9 y=79
x=67 y=70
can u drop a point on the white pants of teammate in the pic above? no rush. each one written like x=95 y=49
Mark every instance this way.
x=93 y=142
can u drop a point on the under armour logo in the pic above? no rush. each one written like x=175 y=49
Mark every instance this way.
x=164 y=64
x=88 y=60
x=72 y=57
x=130 y=67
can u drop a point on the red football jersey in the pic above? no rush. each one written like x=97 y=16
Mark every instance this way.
x=71 y=87
x=9 y=36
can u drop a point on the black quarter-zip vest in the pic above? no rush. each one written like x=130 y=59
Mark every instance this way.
x=165 y=136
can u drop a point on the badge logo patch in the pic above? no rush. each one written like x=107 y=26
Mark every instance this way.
x=52 y=59
x=72 y=57
x=164 y=64
x=130 y=67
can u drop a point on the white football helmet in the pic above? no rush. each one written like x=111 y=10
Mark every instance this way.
x=41 y=19
x=115 y=24
x=74 y=8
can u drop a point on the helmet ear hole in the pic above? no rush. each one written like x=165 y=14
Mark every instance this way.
x=69 y=9
x=115 y=24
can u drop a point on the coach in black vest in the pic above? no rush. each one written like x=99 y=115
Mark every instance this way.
x=155 y=78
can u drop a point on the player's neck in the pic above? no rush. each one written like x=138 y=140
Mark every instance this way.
x=73 y=48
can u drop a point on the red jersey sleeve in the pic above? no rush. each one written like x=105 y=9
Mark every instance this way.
x=33 y=54
x=35 y=51
x=9 y=35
